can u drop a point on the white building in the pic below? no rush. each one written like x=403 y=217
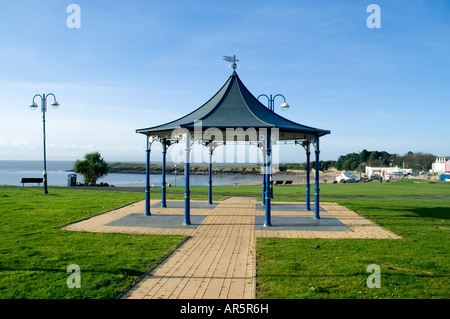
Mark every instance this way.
x=386 y=171
x=346 y=176
x=441 y=166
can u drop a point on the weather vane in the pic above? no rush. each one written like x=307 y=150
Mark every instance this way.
x=231 y=59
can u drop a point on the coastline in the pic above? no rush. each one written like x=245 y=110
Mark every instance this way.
x=133 y=174
x=138 y=168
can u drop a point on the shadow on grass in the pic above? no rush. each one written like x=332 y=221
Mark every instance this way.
x=423 y=212
x=432 y=212
x=129 y=272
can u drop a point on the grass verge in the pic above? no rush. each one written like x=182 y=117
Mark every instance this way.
x=414 y=267
x=35 y=252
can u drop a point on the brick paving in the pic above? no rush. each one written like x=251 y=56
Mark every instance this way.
x=218 y=259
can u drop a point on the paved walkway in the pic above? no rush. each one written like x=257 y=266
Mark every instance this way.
x=218 y=260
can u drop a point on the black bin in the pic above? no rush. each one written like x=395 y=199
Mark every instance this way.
x=72 y=180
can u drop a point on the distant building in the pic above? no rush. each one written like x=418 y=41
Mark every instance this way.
x=386 y=171
x=441 y=166
x=346 y=176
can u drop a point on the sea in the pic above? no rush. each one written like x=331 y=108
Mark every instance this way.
x=11 y=172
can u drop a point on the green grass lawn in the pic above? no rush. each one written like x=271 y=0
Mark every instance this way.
x=416 y=266
x=35 y=252
x=405 y=188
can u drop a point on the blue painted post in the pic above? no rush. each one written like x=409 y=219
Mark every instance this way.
x=210 y=177
x=44 y=109
x=268 y=175
x=263 y=178
x=163 y=183
x=308 y=182
x=187 y=192
x=316 y=188
x=147 y=180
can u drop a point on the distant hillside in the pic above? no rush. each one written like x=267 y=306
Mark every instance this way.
x=139 y=168
x=350 y=162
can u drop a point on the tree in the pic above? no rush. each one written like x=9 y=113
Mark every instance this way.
x=92 y=167
x=374 y=159
x=323 y=165
x=418 y=161
x=364 y=156
x=347 y=162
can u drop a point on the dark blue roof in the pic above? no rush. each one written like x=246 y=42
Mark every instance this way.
x=233 y=106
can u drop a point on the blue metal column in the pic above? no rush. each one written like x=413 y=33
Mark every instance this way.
x=147 y=180
x=268 y=175
x=210 y=176
x=44 y=109
x=316 y=188
x=308 y=182
x=263 y=194
x=163 y=183
x=187 y=192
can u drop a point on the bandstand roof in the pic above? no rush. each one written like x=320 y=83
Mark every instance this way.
x=234 y=106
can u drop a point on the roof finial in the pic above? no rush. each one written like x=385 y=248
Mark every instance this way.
x=231 y=59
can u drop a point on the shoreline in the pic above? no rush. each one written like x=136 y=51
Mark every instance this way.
x=135 y=168
x=245 y=174
x=296 y=176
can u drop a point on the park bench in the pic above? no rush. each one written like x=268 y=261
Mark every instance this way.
x=278 y=182
x=287 y=182
x=31 y=180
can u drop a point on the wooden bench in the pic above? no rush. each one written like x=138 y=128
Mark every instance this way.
x=31 y=180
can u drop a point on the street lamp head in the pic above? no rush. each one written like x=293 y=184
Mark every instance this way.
x=33 y=106
x=55 y=104
x=284 y=106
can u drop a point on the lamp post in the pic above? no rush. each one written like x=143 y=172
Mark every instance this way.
x=284 y=107
x=271 y=99
x=34 y=106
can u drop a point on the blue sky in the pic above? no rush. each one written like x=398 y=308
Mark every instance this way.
x=136 y=64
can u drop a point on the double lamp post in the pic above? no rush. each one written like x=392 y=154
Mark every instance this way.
x=34 y=106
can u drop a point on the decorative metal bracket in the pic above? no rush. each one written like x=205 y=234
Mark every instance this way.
x=167 y=142
x=150 y=140
x=305 y=143
x=211 y=144
x=315 y=143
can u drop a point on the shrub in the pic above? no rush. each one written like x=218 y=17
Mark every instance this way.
x=92 y=167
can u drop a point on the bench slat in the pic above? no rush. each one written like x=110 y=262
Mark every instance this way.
x=31 y=180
